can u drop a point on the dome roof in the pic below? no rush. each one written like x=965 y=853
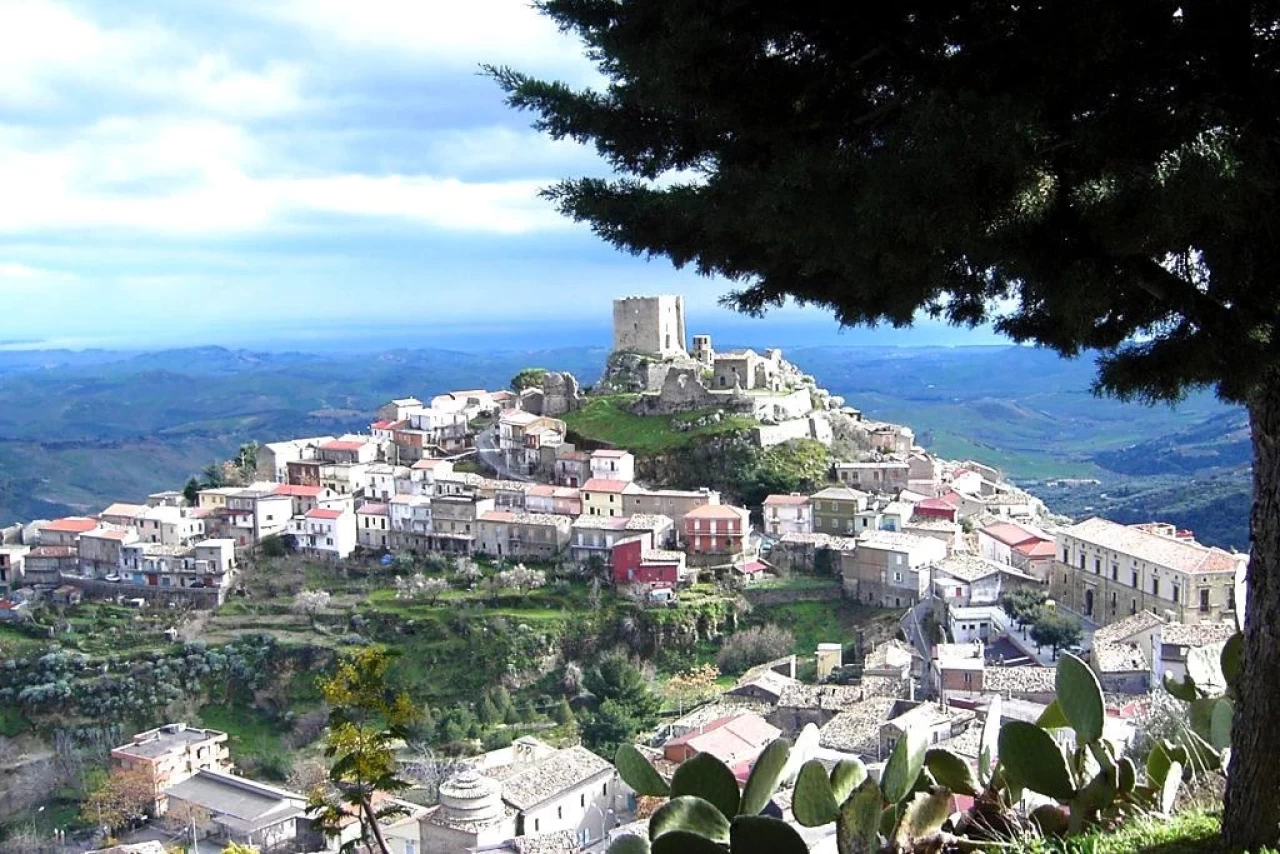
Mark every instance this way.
x=470 y=796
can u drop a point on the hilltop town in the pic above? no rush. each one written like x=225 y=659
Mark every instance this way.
x=503 y=482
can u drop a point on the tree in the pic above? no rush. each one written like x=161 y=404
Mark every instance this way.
x=623 y=704
x=528 y=378
x=214 y=476
x=1055 y=630
x=311 y=602
x=182 y=817
x=191 y=491
x=366 y=720
x=753 y=646
x=237 y=848
x=119 y=800
x=563 y=712
x=1024 y=604
x=522 y=579
x=1106 y=187
x=693 y=686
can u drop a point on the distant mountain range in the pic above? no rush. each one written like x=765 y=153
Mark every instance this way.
x=79 y=429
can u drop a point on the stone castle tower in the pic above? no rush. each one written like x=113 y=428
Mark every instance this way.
x=653 y=326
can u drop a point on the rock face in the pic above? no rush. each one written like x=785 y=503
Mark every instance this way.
x=560 y=393
x=633 y=373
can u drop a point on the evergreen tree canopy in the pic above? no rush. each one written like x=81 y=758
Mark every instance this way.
x=1091 y=176
x=1087 y=175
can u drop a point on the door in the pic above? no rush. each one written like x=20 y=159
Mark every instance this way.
x=1088 y=603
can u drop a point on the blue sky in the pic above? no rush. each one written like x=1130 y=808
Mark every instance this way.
x=215 y=171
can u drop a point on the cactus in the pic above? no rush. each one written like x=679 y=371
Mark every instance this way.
x=911 y=805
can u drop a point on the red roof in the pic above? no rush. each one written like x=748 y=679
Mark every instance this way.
x=373 y=509
x=297 y=491
x=497 y=516
x=381 y=425
x=71 y=525
x=786 y=500
x=717 y=511
x=600 y=484
x=109 y=535
x=1009 y=533
x=752 y=568
x=936 y=504
x=1040 y=548
x=339 y=445
x=541 y=489
x=321 y=513
x=52 y=551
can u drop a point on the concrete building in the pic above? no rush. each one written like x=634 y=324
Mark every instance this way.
x=454 y=521
x=523 y=535
x=874 y=475
x=716 y=531
x=736 y=740
x=373 y=526
x=672 y=503
x=171 y=526
x=1029 y=549
x=837 y=511
x=329 y=534
x=12 y=559
x=653 y=326
x=747 y=370
x=123 y=515
x=66 y=531
x=172 y=753
x=613 y=465
x=637 y=564
x=411 y=525
x=964 y=580
x=602 y=497
x=522 y=435
x=787 y=514
x=100 y=550
x=1107 y=571
x=244 y=811
x=890 y=569
x=274 y=457
x=595 y=536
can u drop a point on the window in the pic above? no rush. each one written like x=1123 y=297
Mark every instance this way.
x=1155 y=587
x=1204 y=599
x=1133 y=578
x=1133 y=606
x=1066 y=555
x=1175 y=596
x=604 y=790
x=559 y=812
x=1115 y=572
x=582 y=799
x=411 y=846
x=1097 y=566
x=536 y=823
x=1082 y=560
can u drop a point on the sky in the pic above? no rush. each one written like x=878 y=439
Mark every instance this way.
x=258 y=171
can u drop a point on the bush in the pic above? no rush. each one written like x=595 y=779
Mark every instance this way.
x=754 y=646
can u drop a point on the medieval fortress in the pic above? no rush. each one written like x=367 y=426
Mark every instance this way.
x=651 y=357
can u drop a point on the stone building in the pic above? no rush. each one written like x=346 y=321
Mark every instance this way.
x=650 y=325
x=1107 y=571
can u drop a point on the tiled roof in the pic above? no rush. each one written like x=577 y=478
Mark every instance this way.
x=935 y=504
x=109 y=534
x=340 y=445
x=892 y=540
x=967 y=568
x=792 y=500
x=718 y=511
x=661 y=556
x=1119 y=658
x=295 y=490
x=1026 y=678
x=1196 y=634
x=840 y=493
x=564 y=770
x=841 y=544
x=857 y=728
x=751 y=568
x=321 y=513
x=929 y=714
x=119 y=509
x=1183 y=555
x=828 y=697
x=603 y=523
x=649 y=522
x=71 y=525
x=1009 y=533
x=610 y=453
x=1127 y=628
x=373 y=510
x=730 y=739
x=600 y=484
x=52 y=551
x=518 y=417
x=891 y=654
x=1040 y=548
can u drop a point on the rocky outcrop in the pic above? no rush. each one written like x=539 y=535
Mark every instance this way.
x=627 y=372
x=560 y=393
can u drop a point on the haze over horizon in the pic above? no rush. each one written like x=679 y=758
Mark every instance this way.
x=246 y=174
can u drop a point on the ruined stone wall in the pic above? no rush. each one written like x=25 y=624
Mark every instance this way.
x=682 y=391
x=782 y=406
x=560 y=394
x=814 y=427
x=653 y=325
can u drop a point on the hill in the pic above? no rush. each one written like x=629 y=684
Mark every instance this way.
x=79 y=429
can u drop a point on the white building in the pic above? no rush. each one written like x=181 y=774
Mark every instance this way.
x=329 y=534
x=788 y=514
x=373 y=526
x=613 y=465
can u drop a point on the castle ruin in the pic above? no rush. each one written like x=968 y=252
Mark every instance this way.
x=650 y=326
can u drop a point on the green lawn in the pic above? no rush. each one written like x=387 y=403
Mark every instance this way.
x=253 y=736
x=606 y=419
x=1188 y=833
x=11 y=721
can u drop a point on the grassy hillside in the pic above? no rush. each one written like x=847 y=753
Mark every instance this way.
x=607 y=420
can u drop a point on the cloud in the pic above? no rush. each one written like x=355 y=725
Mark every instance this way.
x=14 y=271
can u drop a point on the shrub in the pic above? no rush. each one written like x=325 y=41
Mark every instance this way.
x=754 y=646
